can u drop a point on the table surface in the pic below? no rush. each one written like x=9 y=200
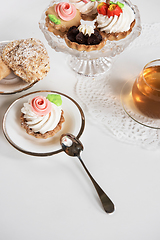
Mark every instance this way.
x=52 y=197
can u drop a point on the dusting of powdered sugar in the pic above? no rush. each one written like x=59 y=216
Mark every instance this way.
x=27 y=58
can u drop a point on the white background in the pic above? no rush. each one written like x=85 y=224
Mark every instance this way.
x=52 y=198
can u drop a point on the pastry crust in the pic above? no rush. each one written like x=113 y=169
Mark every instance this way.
x=119 y=35
x=38 y=134
x=4 y=70
x=27 y=58
x=83 y=47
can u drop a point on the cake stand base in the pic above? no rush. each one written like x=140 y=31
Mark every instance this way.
x=90 y=67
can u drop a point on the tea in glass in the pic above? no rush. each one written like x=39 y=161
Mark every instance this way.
x=146 y=90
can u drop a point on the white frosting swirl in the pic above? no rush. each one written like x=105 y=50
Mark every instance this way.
x=44 y=123
x=86 y=29
x=115 y=23
x=85 y=7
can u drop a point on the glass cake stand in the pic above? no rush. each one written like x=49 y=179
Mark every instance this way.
x=91 y=63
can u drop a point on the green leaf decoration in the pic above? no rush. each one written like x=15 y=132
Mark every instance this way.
x=121 y=5
x=54 y=19
x=55 y=98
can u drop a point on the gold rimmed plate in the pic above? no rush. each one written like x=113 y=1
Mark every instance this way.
x=18 y=138
x=12 y=83
x=131 y=109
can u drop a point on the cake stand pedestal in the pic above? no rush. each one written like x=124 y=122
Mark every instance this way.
x=90 y=67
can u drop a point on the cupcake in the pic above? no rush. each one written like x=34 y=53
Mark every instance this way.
x=115 y=20
x=60 y=17
x=42 y=117
x=87 y=8
x=27 y=58
x=84 y=38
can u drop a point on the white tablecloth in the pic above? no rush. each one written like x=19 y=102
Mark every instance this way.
x=52 y=198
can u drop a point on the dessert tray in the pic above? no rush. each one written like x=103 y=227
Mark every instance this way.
x=92 y=63
x=12 y=83
x=18 y=138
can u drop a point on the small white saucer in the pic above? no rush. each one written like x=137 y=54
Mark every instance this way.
x=13 y=84
x=18 y=138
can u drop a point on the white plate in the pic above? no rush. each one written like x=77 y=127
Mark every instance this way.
x=18 y=138
x=12 y=83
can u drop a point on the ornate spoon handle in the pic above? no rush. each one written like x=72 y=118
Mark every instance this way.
x=105 y=200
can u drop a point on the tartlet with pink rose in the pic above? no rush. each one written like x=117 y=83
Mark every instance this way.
x=61 y=16
x=42 y=117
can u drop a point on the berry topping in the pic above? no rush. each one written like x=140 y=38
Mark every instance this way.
x=113 y=9
x=110 y=9
x=102 y=8
x=74 y=35
x=81 y=38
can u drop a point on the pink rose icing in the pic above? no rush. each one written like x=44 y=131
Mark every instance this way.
x=65 y=11
x=41 y=106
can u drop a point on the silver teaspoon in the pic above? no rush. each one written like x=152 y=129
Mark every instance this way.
x=72 y=146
